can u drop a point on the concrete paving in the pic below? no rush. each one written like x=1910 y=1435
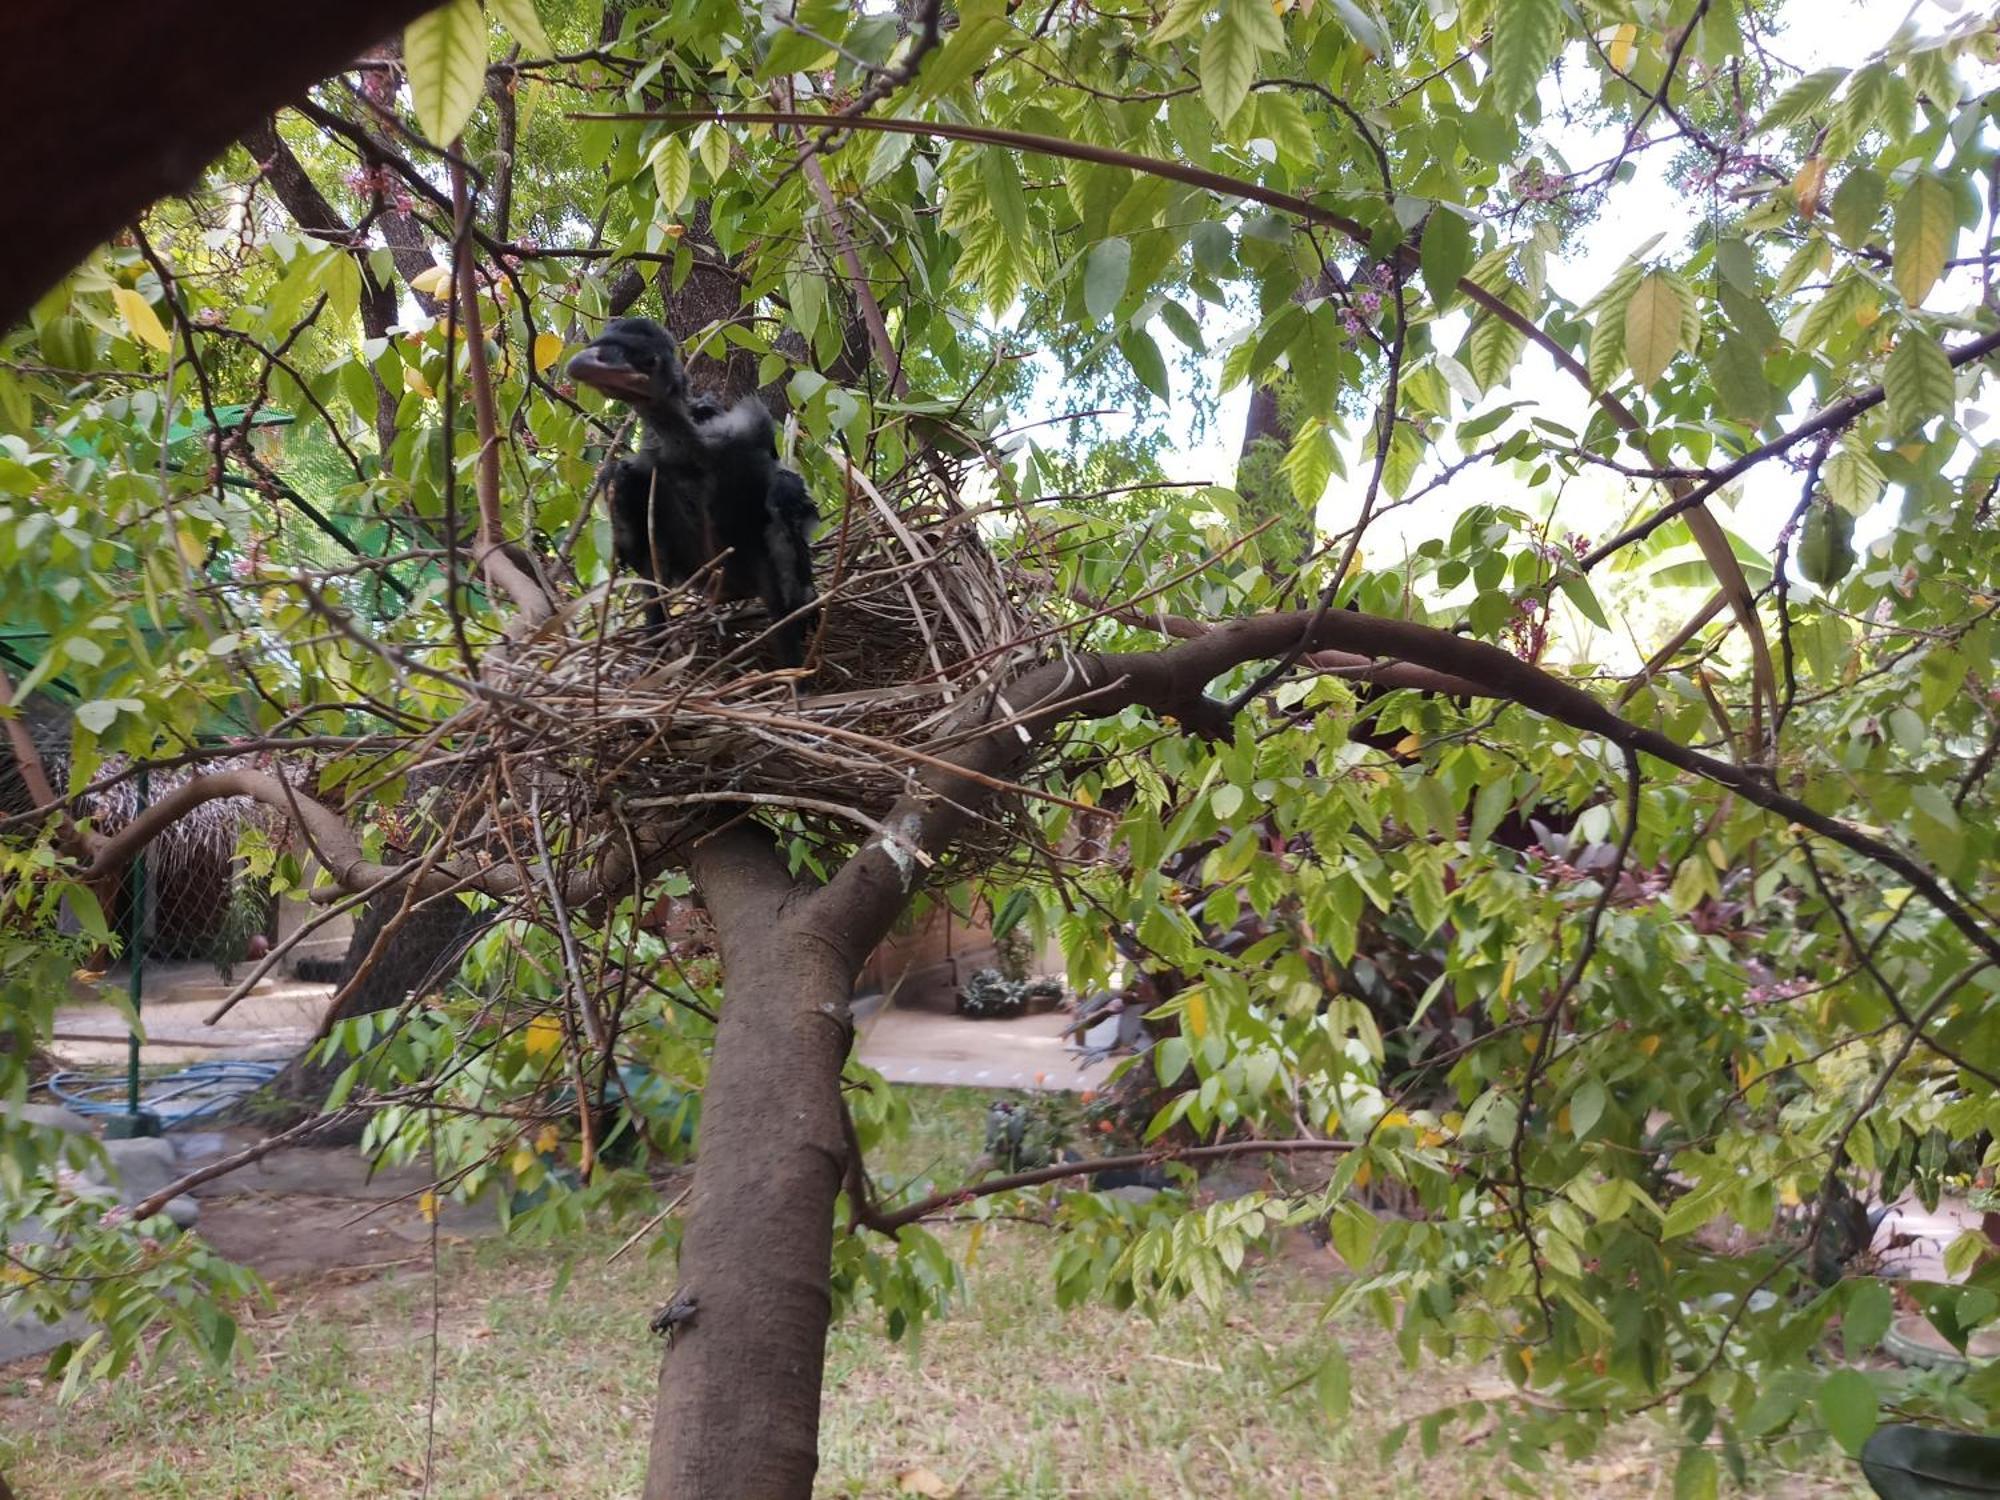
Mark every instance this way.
x=275 y=1021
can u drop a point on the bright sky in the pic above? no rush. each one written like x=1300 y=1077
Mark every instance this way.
x=1817 y=34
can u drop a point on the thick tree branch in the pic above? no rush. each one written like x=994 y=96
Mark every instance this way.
x=490 y=553
x=337 y=848
x=854 y=910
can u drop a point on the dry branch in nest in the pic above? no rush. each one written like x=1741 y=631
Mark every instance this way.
x=919 y=628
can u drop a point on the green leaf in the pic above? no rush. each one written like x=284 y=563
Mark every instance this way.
x=1309 y=464
x=1847 y=1405
x=1364 y=27
x=1143 y=355
x=1867 y=1316
x=1213 y=248
x=1826 y=545
x=1926 y=234
x=1853 y=479
x=1332 y=1385
x=445 y=54
x=1006 y=200
x=1856 y=203
x=1447 y=254
x=982 y=28
x=1803 y=98
x=1654 y=323
x=1281 y=118
x=1917 y=382
x=1697 y=1476
x=96 y=716
x=1525 y=36
x=673 y=173
x=1495 y=345
x=1180 y=322
x=521 y=18
x=1170 y=1059
x=1227 y=801
x=1182 y=17
x=1741 y=390
x=1105 y=270
x=1229 y=54
x=1586 y=1108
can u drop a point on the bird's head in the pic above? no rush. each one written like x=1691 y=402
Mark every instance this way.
x=633 y=360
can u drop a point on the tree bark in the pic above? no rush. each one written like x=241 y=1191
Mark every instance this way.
x=421 y=953
x=738 y=1409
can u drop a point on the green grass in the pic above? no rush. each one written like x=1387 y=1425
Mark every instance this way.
x=542 y=1395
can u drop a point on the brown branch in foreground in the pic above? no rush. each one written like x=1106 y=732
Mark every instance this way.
x=857 y=906
x=28 y=759
x=490 y=553
x=222 y=1166
x=337 y=848
x=889 y=1223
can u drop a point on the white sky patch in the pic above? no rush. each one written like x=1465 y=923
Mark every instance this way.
x=1815 y=34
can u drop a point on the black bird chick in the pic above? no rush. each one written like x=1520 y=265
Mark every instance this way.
x=703 y=482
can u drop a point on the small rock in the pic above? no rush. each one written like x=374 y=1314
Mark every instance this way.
x=48 y=1117
x=140 y=1167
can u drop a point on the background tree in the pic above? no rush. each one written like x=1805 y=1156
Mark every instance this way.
x=1755 y=972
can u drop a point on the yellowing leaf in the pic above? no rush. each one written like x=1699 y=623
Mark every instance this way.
x=1808 y=185
x=673 y=172
x=427 y=1205
x=1649 y=1045
x=546 y=1138
x=1196 y=1012
x=543 y=1036
x=522 y=1161
x=1622 y=46
x=140 y=318
x=548 y=348
x=435 y=282
x=1926 y=232
x=414 y=379
x=1653 y=322
x=445 y=53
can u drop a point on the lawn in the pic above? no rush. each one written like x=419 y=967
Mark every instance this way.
x=547 y=1393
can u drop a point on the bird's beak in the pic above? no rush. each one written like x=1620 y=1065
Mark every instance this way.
x=612 y=376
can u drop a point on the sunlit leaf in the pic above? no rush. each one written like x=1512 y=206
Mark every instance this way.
x=444 y=53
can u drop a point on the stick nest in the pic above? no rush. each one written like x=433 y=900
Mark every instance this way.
x=919 y=626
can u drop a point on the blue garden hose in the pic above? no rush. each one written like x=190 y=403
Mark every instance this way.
x=191 y=1093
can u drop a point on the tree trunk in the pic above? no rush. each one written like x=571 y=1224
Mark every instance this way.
x=419 y=956
x=738 y=1409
